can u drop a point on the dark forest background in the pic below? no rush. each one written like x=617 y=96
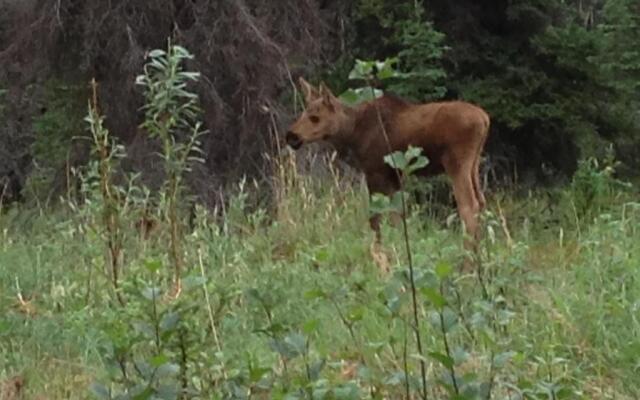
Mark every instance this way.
x=561 y=79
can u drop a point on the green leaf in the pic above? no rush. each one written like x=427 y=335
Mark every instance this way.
x=321 y=255
x=191 y=75
x=396 y=160
x=144 y=368
x=420 y=357
x=167 y=392
x=151 y=293
x=463 y=396
x=362 y=70
x=297 y=342
x=484 y=390
x=167 y=370
x=295 y=395
x=169 y=321
x=256 y=373
x=356 y=314
x=417 y=164
x=347 y=392
x=386 y=69
x=311 y=326
x=443 y=270
x=316 y=368
x=142 y=392
x=504 y=317
x=460 y=355
x=450 y=319
x=254 y=294
x=320 y=393
x=500 y=360
x=157 y=53
x=564 y=392
x=349 y=97
x=380 y=204
x=293 y=345
x=4 y=327
x=145 y=328
x=360 y=95
x=434 y=297
x=159 y=360
x=397 y=201
x=413 y=153
x=314 y=294
x=191 y=282
x=152 y=265
x=367 y=70
x=395 y=379
x=100 y=391
x=280 y=347
x=444 y=359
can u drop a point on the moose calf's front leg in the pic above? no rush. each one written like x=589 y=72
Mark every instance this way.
x=374 y=222
x=380 y=183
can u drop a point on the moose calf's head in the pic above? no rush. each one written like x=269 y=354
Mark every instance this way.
x=325 y=117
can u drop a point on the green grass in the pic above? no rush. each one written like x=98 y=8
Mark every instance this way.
x=297 y=285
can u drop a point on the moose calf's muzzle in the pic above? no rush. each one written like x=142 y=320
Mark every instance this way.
x=293 y=140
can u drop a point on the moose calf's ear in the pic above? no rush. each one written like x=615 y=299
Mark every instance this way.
x=310 y=93
x=327 y=95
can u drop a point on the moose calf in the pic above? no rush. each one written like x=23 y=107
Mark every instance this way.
x=451 y=134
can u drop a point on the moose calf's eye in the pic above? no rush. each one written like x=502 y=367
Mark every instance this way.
x=314 y=119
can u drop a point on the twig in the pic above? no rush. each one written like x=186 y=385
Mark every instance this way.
x=208 y=300
x=405 y=234
x=505 y=227
x=447 y=348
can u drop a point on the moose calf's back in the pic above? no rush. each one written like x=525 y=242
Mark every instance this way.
x=438 y=128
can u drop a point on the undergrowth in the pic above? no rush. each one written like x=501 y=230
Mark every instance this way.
x=297 y=306
x=294 y=302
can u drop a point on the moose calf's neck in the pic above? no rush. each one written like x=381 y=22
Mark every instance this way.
x=363 y=139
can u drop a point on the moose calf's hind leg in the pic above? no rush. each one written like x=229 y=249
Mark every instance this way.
x=468 y=205
x=477 y=186
x=374 y=223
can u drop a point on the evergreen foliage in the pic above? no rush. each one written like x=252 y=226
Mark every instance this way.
x=558 y=78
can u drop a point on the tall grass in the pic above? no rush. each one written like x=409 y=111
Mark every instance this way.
x=297 y=303
x=287 y=301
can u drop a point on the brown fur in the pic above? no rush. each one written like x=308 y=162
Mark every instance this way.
x=451 y=134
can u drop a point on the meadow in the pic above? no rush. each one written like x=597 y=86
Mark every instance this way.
x=289 y=301
x=280 y=293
